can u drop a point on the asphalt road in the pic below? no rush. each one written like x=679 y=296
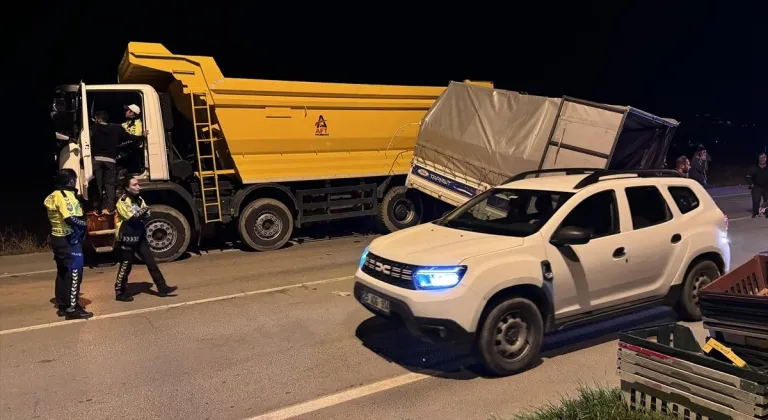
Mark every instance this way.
x=271 y=336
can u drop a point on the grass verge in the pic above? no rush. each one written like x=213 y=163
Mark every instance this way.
x=19 y=242
x=591 y=404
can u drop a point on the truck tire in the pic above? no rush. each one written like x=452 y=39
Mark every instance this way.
x=265 y=224
x=401 y=208
x=699 y=275
x=168 y=233
x=510 y=336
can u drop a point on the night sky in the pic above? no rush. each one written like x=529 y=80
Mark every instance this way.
x=696 y=62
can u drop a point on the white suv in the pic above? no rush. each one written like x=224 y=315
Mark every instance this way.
x=540 y=254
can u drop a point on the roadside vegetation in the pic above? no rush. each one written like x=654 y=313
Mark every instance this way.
x=590 y=404
x=14 y=242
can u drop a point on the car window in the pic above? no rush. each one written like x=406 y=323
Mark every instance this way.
x=685 y=199
x=598 y=214
x=647 y=206
x=506 y=212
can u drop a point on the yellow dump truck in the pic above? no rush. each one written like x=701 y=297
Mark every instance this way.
x=266 y=155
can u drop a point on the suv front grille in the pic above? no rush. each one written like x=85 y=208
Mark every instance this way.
x=388 y=271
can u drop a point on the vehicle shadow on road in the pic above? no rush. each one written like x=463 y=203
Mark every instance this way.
x=391 y=341
x=349 y=228
x=571 y=340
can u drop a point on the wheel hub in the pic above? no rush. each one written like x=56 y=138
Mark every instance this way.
x=268 y=226
x=512 y=336
x=403 y=210
x=701 y=281
x=160 y=235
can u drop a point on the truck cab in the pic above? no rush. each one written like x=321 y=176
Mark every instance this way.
x=73 y=110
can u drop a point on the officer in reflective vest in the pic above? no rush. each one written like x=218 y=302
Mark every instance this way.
x=132 y=213
x=68 y=229
x=132 y=122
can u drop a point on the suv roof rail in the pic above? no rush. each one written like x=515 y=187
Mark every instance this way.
x=594 y=177
x=565 y=171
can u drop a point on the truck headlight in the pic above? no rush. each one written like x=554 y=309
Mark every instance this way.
x=431 y=278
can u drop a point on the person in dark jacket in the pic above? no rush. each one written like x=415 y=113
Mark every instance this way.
x=700 y=165
x=759 y=185
x=105 y=138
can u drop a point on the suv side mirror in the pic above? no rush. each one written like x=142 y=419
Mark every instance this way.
x=570 y=235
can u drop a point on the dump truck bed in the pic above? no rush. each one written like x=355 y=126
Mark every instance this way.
x=288 y=131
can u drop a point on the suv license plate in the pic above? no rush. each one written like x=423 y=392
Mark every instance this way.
x=376 y=302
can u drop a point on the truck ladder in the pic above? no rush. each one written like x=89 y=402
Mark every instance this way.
x=206 y=151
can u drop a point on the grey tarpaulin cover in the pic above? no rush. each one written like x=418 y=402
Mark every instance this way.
x=492 y=134
x=483 y=132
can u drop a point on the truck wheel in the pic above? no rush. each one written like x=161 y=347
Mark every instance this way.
x=265 y=224
x=700 y=275
x=511 y=336
x=401 y=208
x=168 y=233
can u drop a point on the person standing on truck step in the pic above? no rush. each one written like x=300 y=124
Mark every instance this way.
x=132 y=213
x=759 y=185
x=132 y=123
x=68 y=229
x=105 y=138
x=130 y=152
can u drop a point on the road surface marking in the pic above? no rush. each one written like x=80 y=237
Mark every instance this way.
x=730 y=195
x=739 y=218
x=28 y=273
x=53 y=270
x=341 y=397
x=175 y=305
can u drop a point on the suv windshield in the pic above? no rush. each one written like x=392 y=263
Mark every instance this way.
x=507 y=212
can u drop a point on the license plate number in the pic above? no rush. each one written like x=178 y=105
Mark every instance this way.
x=376 y=302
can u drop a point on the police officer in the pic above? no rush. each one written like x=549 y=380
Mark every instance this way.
x=132 y=122
x=68 y=229
x=130 y=150
x=132 y=213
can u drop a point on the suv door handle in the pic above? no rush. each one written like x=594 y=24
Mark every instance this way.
x=676 y=238
x=619 y=252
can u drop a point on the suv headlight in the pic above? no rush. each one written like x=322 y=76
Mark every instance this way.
x=431 y=278
x=363 y=257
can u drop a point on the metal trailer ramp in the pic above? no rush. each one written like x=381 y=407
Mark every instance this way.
x=733 y=309
x=663 y=369
x=643 y=393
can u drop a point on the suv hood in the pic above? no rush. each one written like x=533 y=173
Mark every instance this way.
x=430 y=244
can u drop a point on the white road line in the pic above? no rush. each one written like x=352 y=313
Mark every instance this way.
x=739 y=218
x=27 y=273
x=175 y=305
x=341 y=397
x=729 y=195
x=53 y=270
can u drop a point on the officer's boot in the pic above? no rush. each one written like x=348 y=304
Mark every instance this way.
x=163 y=290
x=75 y=310
x=121 y=282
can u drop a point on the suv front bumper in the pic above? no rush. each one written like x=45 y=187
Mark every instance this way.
x=429 y=329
